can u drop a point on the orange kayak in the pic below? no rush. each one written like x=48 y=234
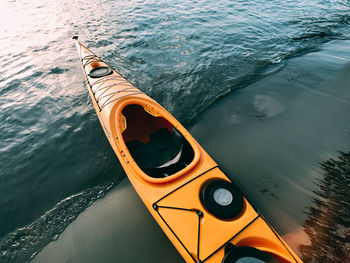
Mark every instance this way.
x=199 y=208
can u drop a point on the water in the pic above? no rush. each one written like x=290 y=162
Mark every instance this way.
x=55 y=160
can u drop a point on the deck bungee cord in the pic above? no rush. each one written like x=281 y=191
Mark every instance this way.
x=201 y=210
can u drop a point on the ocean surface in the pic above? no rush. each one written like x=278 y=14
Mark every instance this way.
x=189 y=56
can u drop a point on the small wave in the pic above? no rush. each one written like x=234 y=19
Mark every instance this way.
x=57 y=70
x=25 y=242
x=225 y=74
x=320 y=28
x=311 y=35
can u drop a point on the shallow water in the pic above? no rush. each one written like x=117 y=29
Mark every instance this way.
x=285 y=141
x=54 y=158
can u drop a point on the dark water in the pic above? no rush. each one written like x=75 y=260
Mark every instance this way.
x=55 y=160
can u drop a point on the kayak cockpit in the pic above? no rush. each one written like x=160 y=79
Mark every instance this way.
x=157 y=147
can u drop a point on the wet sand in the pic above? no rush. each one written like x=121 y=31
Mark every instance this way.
x=270 y=137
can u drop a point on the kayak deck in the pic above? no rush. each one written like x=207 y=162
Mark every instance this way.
x=199 y=208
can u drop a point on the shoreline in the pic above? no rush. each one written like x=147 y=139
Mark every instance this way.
x=110 y=231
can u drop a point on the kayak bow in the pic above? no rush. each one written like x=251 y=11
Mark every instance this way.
x=199 y=208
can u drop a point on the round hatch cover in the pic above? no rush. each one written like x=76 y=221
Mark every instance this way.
x=222 y=199
x=100 y=72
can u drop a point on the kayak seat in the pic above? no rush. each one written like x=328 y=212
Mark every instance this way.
x=165 y=154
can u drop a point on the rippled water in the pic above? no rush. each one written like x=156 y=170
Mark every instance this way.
x=54 y=158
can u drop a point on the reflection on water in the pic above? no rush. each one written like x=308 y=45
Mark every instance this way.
x=328 y=221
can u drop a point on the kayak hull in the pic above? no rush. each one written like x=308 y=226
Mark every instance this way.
x=176 y=201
